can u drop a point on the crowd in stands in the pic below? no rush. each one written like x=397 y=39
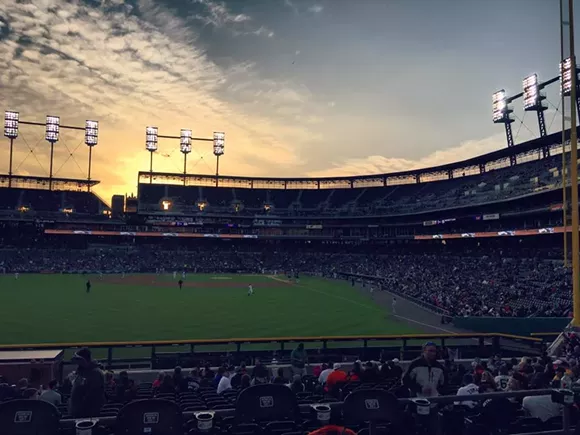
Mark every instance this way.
x=461 y=285
x=91 y=391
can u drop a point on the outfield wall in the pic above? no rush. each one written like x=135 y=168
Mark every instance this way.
x=512 y=325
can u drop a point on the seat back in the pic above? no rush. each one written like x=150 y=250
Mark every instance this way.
x=153 y=417
x=28 y=417
x=267 y=402
x=366 y=405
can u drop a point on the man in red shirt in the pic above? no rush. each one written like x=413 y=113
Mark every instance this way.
x=335 y=379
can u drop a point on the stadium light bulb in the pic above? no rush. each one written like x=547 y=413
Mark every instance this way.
x=11 y=124
x=499 y=105
x=219 y=142
x=52 y=128
x=185 y=141
x=531 y=91
x=91 y=133
x=566 y=76
x=151 y=138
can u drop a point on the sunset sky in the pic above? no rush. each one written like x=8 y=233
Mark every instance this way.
x=300 y=87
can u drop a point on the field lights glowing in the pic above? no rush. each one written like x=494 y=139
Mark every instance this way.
x=566 y=76
x=499 y=105
x=185 y=141
x=531 y=92
x=151 y=138
x=219 y=140
x=52 y=128
x=91 y=133
x=11 y=124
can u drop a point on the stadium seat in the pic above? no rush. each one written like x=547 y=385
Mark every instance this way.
x=153 y=417
x=28 y=417
x=374 y=406
x=267 y=402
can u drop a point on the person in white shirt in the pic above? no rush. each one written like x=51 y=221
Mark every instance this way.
x=541 y=407
x=225 y=382
x=469 y=389
x=250 y=290
x=174 y=274
x=324 y=373
x=16 y=275
x=50 y=395
x=502 y=380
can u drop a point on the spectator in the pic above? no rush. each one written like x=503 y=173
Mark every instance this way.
x=51 y=395
x=370 y=373
x=236 y=379
x=297 y=386
x=21 y=387
x=541 y=407
x=179 y=381
x=335 y=379
x=469 y=388
x=125 y=391
x=157 y=382
x=259 y=373
x=167 y=386
x=245 y=382
x=110 y=380
x=218 y=376
x=425 y=375
x=88 y=387
x=356 y=372
x=30 y=394
x=503 y=378
x=192 y=382
x=326 y=370
x=298 y=359
x=279 y=378
x=225 y=383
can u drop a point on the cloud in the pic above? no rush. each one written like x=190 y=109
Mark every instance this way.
x=316 y=9
x=220 y=16
x=129 y=71
x=377 y=164
x=291 y=5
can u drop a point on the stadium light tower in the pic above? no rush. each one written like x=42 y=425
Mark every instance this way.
x=502 y=114
x=11 y=132
x=566 y=81
x=151 y=139
x=52 y=136
x=185 y=148
x=219 y=142
x=91 y=140
x=533 y=102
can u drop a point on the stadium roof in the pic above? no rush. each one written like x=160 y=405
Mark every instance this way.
x=33 y=182
x=523 y=149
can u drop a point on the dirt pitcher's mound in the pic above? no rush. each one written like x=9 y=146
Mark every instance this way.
x=156 y=281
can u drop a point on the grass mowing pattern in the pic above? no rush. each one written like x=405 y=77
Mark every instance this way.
x=56 y=308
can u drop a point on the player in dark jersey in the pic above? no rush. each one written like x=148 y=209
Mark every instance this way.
x=88 y=284
x=180 y=283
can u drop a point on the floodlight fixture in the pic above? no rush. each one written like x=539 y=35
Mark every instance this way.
x=11 y=124
x=52 y=128
x=499 y=105
x=566 y=77
x=219 y=141
x=151 y=138
x=185 y=141
x=91 y=133
x=531 y=92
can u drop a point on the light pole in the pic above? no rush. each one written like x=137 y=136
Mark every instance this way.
x=91 y=140
x=151 y=139
x=219 y=142
x=52 y=135
x=185 y=148
x=11 y=132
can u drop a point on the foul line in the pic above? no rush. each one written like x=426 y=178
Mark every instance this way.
x=275 y=278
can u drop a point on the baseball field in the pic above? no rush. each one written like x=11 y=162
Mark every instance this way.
x=42 y=308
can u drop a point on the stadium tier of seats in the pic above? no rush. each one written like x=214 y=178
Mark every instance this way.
x=404 y=199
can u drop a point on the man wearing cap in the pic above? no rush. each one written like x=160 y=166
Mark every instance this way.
x=88 y=386
x=336 y=378
x=425 y=375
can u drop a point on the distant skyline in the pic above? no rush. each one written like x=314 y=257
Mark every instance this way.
x=300 y=87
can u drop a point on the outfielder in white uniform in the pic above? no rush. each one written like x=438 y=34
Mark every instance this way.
x=250 y=290
x=174 y=274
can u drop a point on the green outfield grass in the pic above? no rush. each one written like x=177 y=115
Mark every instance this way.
x=56 y=309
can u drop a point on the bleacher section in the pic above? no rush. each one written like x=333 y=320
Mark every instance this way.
x=494 y=185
